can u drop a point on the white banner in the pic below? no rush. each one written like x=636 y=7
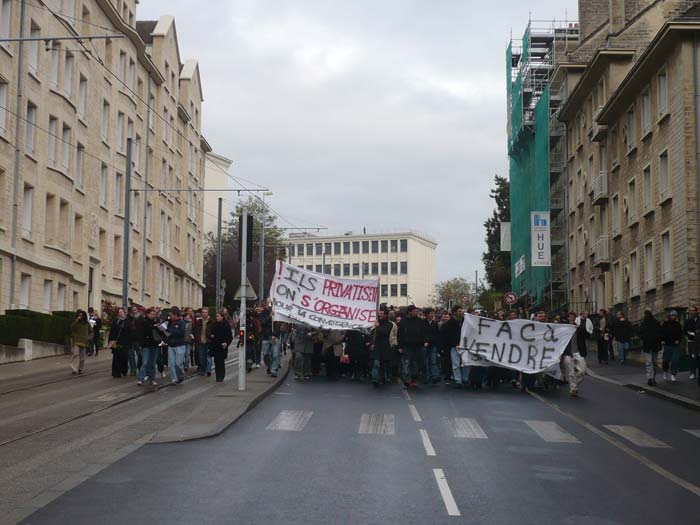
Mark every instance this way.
x=540 y=238
x=526 y=346
x=505 y=236
x=323 y=301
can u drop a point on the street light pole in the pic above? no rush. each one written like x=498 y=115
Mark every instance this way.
x=261 y=292
x=219 y=298
x=244 y=292
x=127 y=226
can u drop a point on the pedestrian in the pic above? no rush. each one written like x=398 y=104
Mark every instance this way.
x=384 y=342
x=672 y=333
x=622 y=332
x=452 y=335
x=150 y=349
x=202 y=330
x=602 y=333
x=692 y=326
x=304 y=349
x=191 y=359
x=574 y=362
x=252 y=334
x=651 y=336
x=119 y=341
x=357 y=349
x=96 y=323
x=220 y=337
x=81 y=336
x=432 y=330
x=412 y=339
x=175 y=331
x=269 y=341
x=584 y=329
x=332 y=351
x=444 y=347
x=136 y=326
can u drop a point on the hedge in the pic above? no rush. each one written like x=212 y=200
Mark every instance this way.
x=27 y=324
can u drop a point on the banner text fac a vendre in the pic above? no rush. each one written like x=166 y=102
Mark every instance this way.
x=323 y=301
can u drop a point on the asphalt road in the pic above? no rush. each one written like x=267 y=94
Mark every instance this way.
x=318 y=452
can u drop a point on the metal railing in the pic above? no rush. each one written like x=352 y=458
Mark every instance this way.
x=600 y=187
x=601 y=250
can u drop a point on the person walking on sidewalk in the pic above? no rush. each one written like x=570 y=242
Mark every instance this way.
x=96 y=324
x=672 y=333
x=81 y=334
x=220 y=337
x=602 y=332
x=136 y=325
x=119 y=341
x=622 y=332
x=650 y=334
x=174 y=330
x=574 y=363
x=202 y=332
x=691 y=329
x=150 y=349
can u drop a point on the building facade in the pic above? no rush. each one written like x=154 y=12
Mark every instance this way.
x=404 y=262
x=629 y=103
x=63 y=161
x=216 y=176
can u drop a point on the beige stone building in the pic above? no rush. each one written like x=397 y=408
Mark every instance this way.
x=404 y=262
x=62 y=204
x=216 y=175
x=631 y=109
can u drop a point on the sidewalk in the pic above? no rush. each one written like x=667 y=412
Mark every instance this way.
x=632 y=375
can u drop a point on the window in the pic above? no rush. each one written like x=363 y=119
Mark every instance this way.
x=615 y=215
x=65 y=148
x=662 y=82
x=136 y=152
x=292 y=251
x=649 y=268
x=118 y=193
x=346 y=248
x=122 y=66
x=394 y=246
x=31 y=129
x=356 y=269
x=61 y=297
x=632 y=202
x=375 y=246
x=634 y=275
x=3 y=104
x=149 y=211
x=385 y=246
x=105 y=121
x=346 y=269
x=69 y=10
x=336 y=270
x=309 y=250
x=646 y=112
x=103 y=184
x=404 y=267
x=336 y=248
x=365 y=269
x=82 y=96
x=630 y=129
x=385 y=290
x=27 y=211
x=151 y=106
x=79 y=159
x=25 y=282
x=131 y=74
x=120 y=131
x=319 y=248
x=385 y=268
x=327 y=248
x=394 y=268
x=365 y=246
x=68 y=75
x=5 y=17
x=33 y=45
x=319 y=268
x=404 y=290
x=404 y=245
x=327 y=269
x=648 y=204
x=375 y=268
x=356 y=247
x=664 y=177
x=617 y=283
x=135 y=207
x=53 y=134
x=300 y=250
x=666 y=253
x=55 y=55
x=394 y=290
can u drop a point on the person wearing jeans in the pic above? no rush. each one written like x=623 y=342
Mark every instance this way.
x=650 y=334
x=383 y=344
x=450 y=335
x=432 y=370
x=150 y=349
x=412 y=339
x=622 y=331
x=174 y=331
x=672 y=333
x=271 y=350
x=202 y=331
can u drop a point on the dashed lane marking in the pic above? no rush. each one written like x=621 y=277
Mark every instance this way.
x=415 y=414
x=377 y=424
x=406 y=394
x=290 y=420
x=429 y=450
x=695 y=433
x=551 y=432
x=464 y=428
x=446 y=493
x=636 y=436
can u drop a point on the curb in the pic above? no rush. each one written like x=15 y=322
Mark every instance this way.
x=218 y=428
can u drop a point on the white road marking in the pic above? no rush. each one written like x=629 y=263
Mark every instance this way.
x=465 y=428
x=551 y=432
x=695 y=433
x=446 y=493
x=284 y=393
x=636 y=436
x=415 y=414
x=406 y=395
x=111 y=397
x=429 y=450
x=290 y=420
x=377 y=424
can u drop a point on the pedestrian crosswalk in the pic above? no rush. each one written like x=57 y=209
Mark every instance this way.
x=470 y=428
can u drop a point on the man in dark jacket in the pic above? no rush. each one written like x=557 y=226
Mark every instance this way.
x=691 y=329
x=412 y=339
x=432 y=370
x=202 y=332
x=622 y=332
x=174 y=331
x=119 y=341
x=672 y=333
x=382 y=347
x=137 y=328
x=602 y=334
x=451 y=332
x=650 y=334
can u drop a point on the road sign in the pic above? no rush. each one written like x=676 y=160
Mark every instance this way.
x=510 y=298
x=250 y=292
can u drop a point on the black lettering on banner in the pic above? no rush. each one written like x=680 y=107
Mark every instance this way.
x=513 y=348
x=481 y=347
x=301 y=313
x=531 y=353
x=495 y=355
x=284 y=291
x=545 y=354
x=483 y=323
x=550 y=335
x=505 y=327
x=531 y=326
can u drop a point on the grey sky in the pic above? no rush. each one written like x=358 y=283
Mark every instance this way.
x=377 y=114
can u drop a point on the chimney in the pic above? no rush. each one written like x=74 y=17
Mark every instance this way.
x=617 y=15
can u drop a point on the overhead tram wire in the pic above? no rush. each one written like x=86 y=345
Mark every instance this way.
x=46 y=8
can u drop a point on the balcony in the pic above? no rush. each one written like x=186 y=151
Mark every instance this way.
x=557 y=236
x=556 y=205
x=557 y=163
x=601 y=252
x=600 y=188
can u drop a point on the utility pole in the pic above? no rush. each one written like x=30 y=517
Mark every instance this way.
x=244 y=292
x=219 y=298
x=127 y=226
x=144 y=237
x=261 y=293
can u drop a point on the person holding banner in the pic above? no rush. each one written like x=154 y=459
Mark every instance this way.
x=304 y=340
x=412 y=339
x=451 y=332
x=574 y=363
x=382 y=348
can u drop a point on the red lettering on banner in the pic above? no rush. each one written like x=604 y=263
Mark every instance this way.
x=353 y=292
x=305 y=301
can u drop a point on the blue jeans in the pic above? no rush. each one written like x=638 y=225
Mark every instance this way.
x=148 y=367
x=204 y=365
x=134 y=350
x=432 y=371
x=176 y=362
x=460 y=373
x=272 y=350
x=622 y=349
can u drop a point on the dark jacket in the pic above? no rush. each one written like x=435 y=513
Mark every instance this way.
x=412 y=332
x=119 y=332
x=384 y=340
x=451 y=332
x=650 y=333
x=432 y=332
x=691 y=327
x=622 y=330
x=266 y=325
x=137 y=329
x=152 y=336
x=671 y=332
x=581 y=337
x=220 y=333
x=175 y=335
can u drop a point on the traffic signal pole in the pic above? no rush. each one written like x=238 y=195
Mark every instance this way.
x=244 y=292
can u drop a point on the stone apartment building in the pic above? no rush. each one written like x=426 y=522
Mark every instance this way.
x=63 y=162
x=631 y=112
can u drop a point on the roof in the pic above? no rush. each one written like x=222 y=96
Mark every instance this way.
x=145 y=30
x=351 y=236
x=190 y=71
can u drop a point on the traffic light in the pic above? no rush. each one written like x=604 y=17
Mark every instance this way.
x=249 y=238
x=241 y=338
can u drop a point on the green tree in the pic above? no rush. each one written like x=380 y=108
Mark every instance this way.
x=496 y=262
x=230 y=260
x=454 y=291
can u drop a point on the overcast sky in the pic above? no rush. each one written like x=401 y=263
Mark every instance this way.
x=382 y=114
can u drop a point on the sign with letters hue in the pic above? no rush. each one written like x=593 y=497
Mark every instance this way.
x=541 y=240
x=526 y=346
x=323 y=301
